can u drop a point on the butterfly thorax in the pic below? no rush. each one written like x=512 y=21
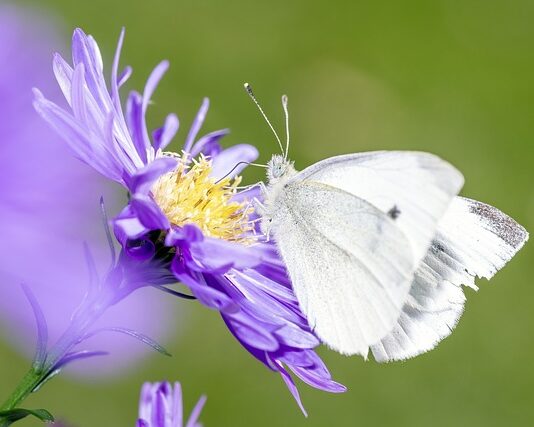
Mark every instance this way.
x=279 y=172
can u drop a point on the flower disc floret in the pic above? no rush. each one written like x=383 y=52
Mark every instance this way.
x=190 y=195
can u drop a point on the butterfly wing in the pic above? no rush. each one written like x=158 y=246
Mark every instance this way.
x=473 y=240
x=350 y=265
x=415 y=188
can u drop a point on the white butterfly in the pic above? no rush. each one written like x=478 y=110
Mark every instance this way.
x=378 y=245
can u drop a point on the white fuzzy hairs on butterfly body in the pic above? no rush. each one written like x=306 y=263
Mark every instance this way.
x=279 y=168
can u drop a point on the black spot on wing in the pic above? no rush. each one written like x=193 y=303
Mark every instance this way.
x=394 y=212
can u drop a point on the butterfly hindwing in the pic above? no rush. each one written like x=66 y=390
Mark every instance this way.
x=473 y=240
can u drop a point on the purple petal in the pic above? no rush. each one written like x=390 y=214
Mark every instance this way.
x=115 y=82
x=127 y=226
x=142 y=181
x=145 y=400
x=63 y=73
x=86 y=52
x=149 y=212
x=78 y=355
x=159 y=410
x=152 y=82
x=300 y=358
x=251 y=332
x=207 y=295
x=164 y=135
x=197 y=124
x=220 y=255
x=42 y=329
x=310 y=378
x=195 y=414
x=134 y=113
x=189 y=233
x=296 y=337
x=124 y=76
x=225 y=162
x=145 y=339
x=207 y=143
x=291 y=386
x=178 y=413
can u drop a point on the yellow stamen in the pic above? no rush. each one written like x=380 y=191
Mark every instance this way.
x=188 y=195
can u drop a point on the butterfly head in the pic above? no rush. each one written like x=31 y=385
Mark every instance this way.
x=279 y=168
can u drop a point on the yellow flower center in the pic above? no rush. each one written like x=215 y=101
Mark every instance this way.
x=188 y=195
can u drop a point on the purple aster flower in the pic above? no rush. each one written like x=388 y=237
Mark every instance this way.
x=160 y=405
x=48 y=206
x=187 y=209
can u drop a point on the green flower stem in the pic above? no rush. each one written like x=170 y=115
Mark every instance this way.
x=28 y=383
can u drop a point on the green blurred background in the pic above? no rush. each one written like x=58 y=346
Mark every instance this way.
x=452 y=77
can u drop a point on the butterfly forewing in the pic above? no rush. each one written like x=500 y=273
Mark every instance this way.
x=350 y=264
x=413 y=188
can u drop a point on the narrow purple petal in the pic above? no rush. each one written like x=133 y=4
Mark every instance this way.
x=129 y=228
x=136 y=124
x=251 y=332
x=164 y=135
x=116 y=82
x=178 y=413
x=291 y=386
x=149 y=212
x=227 y=160
x=197 y=124
x=124 y=76
x=158 y=410
x=145 y=400
x=153 y=81
x=300 y=358
x=204 y=145
x=296 y=337
x=310 y=378
x=189 y=233
x=195 y=414
x=207 y=295
x=85 y=51
x=220 y=255
x=143 y=179
x=78 y=355
x=137 y=335
x=42 y=328
x=63 y=72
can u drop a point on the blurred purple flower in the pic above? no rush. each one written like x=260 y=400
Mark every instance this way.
x=160 y=405
x=48 y=206
x=186 y=208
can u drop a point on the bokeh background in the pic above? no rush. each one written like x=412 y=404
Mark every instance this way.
x=455 y=78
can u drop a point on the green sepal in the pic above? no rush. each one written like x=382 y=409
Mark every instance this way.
x=9 y=417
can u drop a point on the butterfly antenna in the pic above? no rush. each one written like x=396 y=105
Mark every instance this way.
x=251 y=94
x=237 y=165
x=286 y=114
